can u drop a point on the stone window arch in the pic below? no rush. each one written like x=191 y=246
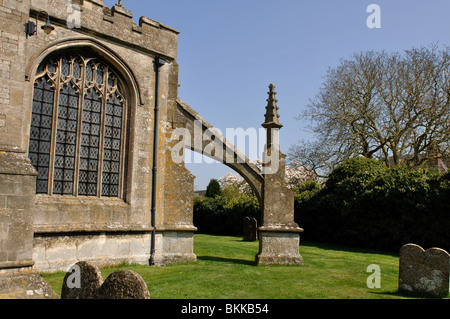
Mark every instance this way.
x=78 y=127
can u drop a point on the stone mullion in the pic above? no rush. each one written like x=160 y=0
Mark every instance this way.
x=51 y=165
x=122 y=144
x=102 y=133
x=82 y=91
x=122 y=151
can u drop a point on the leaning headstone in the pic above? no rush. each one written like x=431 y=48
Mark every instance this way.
x=246 y=228
x=82 y=281
x=250 y=229
x=254 y=227
x=424 y=273
x=124 y=284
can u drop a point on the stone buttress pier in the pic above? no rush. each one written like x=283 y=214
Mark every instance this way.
x=279 y=234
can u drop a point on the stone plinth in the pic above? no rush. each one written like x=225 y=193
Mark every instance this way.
x=174 y=245
x=279 y=246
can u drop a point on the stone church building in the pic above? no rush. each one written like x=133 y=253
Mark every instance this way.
x=88 y=103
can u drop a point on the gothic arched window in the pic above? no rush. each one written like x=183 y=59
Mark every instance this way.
x=77 y=137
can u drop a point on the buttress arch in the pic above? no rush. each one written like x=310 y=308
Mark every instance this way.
x=243 y=166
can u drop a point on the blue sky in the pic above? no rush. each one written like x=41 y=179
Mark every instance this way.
x=230 y=51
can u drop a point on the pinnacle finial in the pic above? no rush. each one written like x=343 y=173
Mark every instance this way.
x=272 y=117
x=120 y=3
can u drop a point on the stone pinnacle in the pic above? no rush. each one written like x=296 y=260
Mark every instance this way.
x=272 y=117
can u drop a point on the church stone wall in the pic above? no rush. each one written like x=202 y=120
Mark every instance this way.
x=65 y=229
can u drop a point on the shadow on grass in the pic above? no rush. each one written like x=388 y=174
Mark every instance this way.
x=338 y=247
x=245 y=241
x=227 y=260
x=394 y=293
x=407 y=295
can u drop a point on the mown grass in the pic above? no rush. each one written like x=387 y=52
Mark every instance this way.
x=225 y=270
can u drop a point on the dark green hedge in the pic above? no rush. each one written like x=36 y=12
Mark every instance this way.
x=364 y=204
x=224 y=216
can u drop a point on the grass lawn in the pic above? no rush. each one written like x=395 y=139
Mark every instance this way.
x=225 y=270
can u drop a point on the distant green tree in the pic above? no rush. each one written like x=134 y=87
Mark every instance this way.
x=213 y=190
x=392 y=107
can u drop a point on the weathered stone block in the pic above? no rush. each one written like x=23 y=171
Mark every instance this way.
x=424 y=273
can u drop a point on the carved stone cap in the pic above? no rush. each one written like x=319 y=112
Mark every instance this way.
x=281 y=228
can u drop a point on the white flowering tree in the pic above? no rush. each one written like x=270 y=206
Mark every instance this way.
x=295 y=175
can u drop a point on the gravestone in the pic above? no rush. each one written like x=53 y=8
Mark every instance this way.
x=250 y=229
x=424 y=273
x=82 y=281
x=124 y=284
x=85 y=281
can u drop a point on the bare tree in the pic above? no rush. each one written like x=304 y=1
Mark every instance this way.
x=388 y=106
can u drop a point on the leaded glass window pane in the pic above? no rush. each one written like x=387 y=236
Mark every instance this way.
x=112 y=147
x=90 y=141
x=41 y=131
x=66 y=138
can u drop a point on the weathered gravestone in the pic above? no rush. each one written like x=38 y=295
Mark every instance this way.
x=424 y=273
x=85 y=281
x=250 y=229
x=124 y=284
x=82 y=281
